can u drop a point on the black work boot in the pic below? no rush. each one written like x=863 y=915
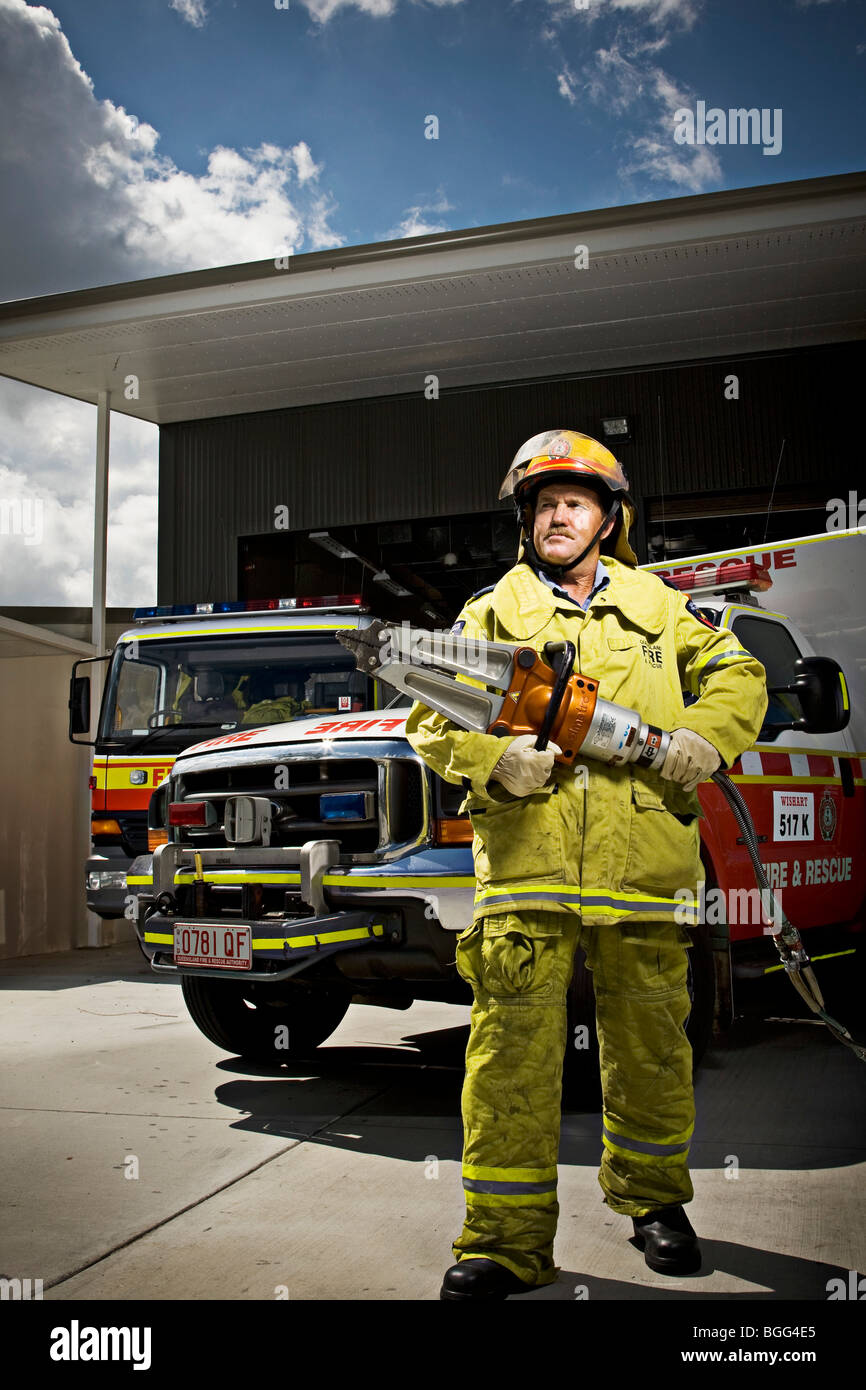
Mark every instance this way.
x=668 y=1241
x=477 y=1277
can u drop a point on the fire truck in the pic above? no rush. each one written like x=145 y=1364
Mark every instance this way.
x=185 y=671
x=296 y=867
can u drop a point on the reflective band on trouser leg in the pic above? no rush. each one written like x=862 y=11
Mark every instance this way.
x=642 y=1003
x=502 y=1187
x=590 y=902
x=641 y=1149
x=519 y=966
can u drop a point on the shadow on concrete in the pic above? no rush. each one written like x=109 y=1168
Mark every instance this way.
x=790 y=1102
x=772 y=1278
x=86 y=966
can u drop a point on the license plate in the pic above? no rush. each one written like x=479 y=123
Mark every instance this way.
x=221 y=948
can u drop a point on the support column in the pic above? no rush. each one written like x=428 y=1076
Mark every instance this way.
x=100 y=521
x=99 y=933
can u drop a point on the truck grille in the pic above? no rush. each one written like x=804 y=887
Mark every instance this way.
x=395 y=804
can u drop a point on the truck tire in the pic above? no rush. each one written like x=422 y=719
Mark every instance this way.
x=264 y=1023
x=581 y=1079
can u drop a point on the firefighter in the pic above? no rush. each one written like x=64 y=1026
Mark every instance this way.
x=598 y=860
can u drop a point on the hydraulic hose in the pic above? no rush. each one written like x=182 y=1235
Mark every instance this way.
x=787 y=938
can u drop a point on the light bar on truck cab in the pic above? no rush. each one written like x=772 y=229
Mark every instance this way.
x=730 y=574
x=326 y=603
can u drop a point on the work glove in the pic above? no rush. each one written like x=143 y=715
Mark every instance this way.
x=521 y=769
x=690 y=759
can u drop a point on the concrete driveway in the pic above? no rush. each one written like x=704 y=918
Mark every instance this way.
x=141 y=1163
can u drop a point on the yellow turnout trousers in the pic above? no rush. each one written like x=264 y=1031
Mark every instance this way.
x=519 y=966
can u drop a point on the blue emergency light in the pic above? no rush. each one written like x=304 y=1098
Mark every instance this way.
x=164 y=610
x=343 y=806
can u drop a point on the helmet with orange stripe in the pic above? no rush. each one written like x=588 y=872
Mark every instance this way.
x=562 y=456
x=565 y=456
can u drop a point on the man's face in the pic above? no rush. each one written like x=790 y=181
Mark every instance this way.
x=567 y=517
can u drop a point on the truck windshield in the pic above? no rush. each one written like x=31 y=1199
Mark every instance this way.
x=176 y=691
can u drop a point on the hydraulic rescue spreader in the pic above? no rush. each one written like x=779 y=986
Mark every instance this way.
x=526 y=695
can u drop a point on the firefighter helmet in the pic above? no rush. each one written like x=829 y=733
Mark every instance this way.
x=566 y=456
x=562 y=456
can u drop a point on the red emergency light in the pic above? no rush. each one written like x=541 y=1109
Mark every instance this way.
x=331 y=601
x=190 y=813
x=730 y=574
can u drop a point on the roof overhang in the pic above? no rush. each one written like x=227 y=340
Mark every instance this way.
x=23 y=639
x=738 y=272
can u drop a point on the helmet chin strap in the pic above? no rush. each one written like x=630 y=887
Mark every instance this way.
x=532 y=558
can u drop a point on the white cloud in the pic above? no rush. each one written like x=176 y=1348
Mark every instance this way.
x=415 y=223
x=623 y=79
x=659 y=11
x=304 y=162
x=617 y=82
x=89 y=200
x=567 y=83
x=47 y=468
x=694 y=172
x=685 y=12
x=655 y=154
x=323 y=10
x=193 y=11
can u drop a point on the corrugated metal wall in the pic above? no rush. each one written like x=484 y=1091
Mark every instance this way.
x=387 y=458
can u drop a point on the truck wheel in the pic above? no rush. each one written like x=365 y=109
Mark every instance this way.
x=264 y=1023
x=581 y=1082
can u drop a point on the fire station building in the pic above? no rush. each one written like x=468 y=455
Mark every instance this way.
x=340 y=422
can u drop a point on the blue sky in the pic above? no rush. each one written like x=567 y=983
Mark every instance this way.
x=150 y=136
x=543 y=107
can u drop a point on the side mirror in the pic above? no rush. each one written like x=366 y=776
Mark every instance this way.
x=819 y=685
x=79 y=705
x=79 y=701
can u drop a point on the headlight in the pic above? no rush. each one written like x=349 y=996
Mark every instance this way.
x=106 y=878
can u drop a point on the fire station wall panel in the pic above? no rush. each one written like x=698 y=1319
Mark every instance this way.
x=694 y=429
x=45 y=825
